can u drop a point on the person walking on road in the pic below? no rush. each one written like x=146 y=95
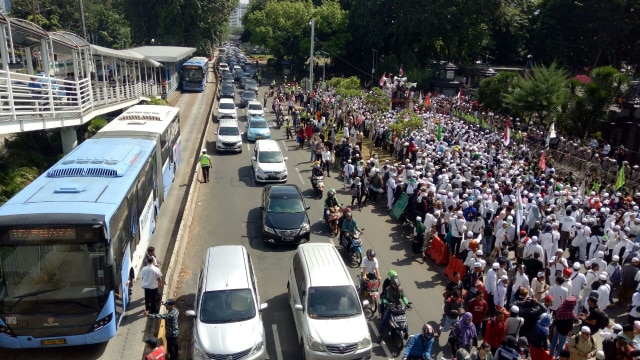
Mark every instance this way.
x=151 y=282
x=287 y=127
x=172 y=328
x=205 y=164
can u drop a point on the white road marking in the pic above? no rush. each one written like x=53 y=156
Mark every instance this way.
x=383 y=344
x=248 y=147
x=276 y=342
x=284 y=145
x=300 y=176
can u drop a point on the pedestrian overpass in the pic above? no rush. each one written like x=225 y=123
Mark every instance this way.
x=52 y=80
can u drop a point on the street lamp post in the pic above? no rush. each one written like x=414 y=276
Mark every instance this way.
x=373 y=64
x=312 y=22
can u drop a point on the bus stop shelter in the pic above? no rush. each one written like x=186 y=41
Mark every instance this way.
x=171 y=57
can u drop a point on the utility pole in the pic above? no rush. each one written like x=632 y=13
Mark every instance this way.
x=84 y=26
x=312 y=22
x=373 y=64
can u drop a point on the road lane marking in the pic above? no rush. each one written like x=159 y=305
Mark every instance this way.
x=284 y=145
x=248 y=147
x=383 y=344
x=300 y=176
x=276 y=342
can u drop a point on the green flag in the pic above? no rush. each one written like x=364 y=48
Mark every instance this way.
x=621 y=179
x=439 y=132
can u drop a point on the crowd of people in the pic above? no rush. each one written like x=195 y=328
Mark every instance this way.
x=548 y=255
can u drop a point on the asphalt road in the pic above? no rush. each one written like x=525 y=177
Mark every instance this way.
x=127 y=344
x=227 y=212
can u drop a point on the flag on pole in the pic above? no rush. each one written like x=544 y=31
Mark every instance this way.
x=551 y=134
x=439 y=131
x=507 y=132
x=621 y=179
x=542 y=163
x=400 y=72
x=519 y=211
x=383 y=79
x=460 y=96
x=427 y=100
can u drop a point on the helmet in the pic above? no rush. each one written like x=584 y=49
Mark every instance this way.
x=371 y=253
x=427 y=331
x=395 y=281
x=392 y=273
x=332 y=192
x=204 y=151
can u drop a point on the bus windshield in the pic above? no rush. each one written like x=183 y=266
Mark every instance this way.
x=195 y=75
x=68 y=279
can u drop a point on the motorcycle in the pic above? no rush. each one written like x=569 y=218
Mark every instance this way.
x=397 y=329
x=279 y=121
x=370 y=292
x=317 y=182
x=332 y=219
x=352 y=247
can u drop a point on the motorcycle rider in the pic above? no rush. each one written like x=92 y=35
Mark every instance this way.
x=316 y=172
x=370 y=269
x=419 y=346
x=392 y=295
x=348 y=228
x=331 y=205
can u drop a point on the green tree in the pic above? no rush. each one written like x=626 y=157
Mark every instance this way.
x=588 y=104
x=377 y=100
x=539 y=94
x=346 y=87
x=493 y=90
x=406 y=122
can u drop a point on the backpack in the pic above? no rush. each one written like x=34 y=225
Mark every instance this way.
x=616 y=277
x=609 y=348
x=467 y=280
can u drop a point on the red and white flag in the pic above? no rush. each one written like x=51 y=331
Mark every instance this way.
x=507 y=132
x=400 y=72
x=383 y=79
x=460 y=97
x=542 y=163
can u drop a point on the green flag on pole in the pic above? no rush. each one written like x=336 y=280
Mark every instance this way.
x=439 y=132
x=621 y=179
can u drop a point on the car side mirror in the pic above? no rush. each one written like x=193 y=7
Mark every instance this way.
x=286 y=158
x=253 y=158
x=215 y=133
x=263 y=306
x=190 y=313
x=365 y=303
x=298 y=307
x=307 y=207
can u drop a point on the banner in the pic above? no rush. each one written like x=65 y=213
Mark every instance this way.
x=551 y=134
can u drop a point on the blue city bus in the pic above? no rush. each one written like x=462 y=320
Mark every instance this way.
x=193 y=74
x=72 y=241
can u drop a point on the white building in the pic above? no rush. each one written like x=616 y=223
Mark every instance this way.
x=235 y=20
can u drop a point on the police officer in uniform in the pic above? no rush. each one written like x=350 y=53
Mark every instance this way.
x=205 y=164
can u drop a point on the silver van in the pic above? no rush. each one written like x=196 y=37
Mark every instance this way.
x=328 y=314
x=228 y=323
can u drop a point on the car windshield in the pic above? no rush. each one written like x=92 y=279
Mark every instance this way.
x=227 y=106
x=255 y=107
x=228 y=130
x=333 y=302
x=227 y=306
x=258 y=124
x=249 y=95
x=284 y=205
x=227 y=89
x=270 y=157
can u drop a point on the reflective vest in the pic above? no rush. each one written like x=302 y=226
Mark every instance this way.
x=156 y=354
x=205 y=160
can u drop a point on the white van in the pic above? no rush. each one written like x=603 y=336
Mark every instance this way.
x=229 y=136
x=268 y=163
x=228 y=324
x=325 y=305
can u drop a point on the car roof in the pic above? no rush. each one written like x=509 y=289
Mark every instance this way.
x=324 y=265
x=228 y=122
x=249 y=92
x=254 y=102
x=283 y=190
x=267 y=145
x=227 y=266
x=225 y=100
x=255 y=117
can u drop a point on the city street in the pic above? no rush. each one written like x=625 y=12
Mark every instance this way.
x=227 y=212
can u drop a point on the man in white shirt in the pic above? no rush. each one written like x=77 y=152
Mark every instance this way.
x=578 y=282
x=558 y=293
x=533 y=247
x=604 y=290
x=491 y=284
x=151 y=282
